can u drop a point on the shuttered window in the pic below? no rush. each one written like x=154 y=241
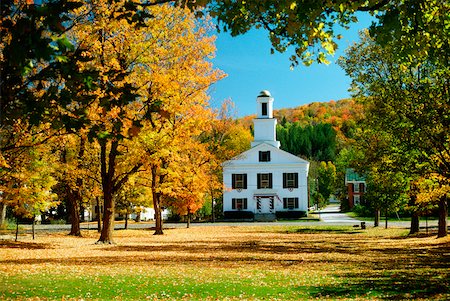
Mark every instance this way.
x=239 y=181
x=264 y=156
x=290 y=203
x=290 y=180
x=264 y=180
x=239 y=204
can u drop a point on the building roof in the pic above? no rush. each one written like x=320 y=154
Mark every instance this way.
x=352 y=176
x=251 y=157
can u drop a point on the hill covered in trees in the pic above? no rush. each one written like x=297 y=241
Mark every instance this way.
x=315 y=131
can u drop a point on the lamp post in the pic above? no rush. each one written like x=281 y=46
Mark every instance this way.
x=213 y=203
x=318 y=196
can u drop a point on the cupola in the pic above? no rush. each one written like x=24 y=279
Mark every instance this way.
x=264 y=125
x=265 y=105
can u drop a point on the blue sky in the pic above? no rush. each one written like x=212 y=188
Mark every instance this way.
x=251 y=68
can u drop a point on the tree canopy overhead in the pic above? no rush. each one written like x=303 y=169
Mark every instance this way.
x=311 y=27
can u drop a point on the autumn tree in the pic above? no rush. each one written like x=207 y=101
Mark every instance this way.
x=147 y=76
x=225 y=138
x=130 y=198
x=432 y=189
x=27 y=179
x=77 y=174
x=188 y=178
x=177 y=163
x=35 y=57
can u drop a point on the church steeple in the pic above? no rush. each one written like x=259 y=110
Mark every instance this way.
x=264 y=125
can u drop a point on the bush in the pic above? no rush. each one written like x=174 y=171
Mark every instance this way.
x=290 y=214
x=8 y=225
x=58 y=221
x=173 y=217
x=238 y=215
x=363 y=211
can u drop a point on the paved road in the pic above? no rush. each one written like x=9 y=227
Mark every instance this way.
x=332 y=215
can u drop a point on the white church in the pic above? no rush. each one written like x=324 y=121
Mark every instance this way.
x=265 y=182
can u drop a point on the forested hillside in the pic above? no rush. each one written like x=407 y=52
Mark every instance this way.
x=315 y=131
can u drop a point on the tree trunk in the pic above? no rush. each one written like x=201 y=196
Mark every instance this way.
x=156 y=202
x=74 y=195
x=126 y=220
x=99 y=216
x=33 y=228
x=17 y=227
x=106 y=236
x=158 y=217
x=377 y=218
x=386 y=219
x=443 y=216
x=2 y=215
x=188 y=218
x=107 y=171
x=74 y=198
x=415 y=227
x=213 y=217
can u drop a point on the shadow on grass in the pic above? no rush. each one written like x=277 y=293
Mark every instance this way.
x=24 y=245
x=390 y=285
x=326 y=230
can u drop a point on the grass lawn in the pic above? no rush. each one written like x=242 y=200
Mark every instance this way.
x=228 y=263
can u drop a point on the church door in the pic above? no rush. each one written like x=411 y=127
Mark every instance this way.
x=265 y=204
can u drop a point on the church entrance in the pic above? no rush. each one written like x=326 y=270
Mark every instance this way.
x=265 y=204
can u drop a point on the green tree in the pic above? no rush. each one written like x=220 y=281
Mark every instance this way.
x=405 y=106
x=311 y=27
x=316 y=142
x=386 y=191
x=33 y=48
x=327 y=179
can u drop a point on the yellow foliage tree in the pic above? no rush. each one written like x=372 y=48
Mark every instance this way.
x=153 y=73
x=27 y=173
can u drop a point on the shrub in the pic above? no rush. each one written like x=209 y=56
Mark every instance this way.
x=363 y=211
x=238 y=215
x=58 y=222
x=290 y=214
x=8 y=225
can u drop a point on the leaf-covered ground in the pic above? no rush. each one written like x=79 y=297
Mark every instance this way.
x=228 y=263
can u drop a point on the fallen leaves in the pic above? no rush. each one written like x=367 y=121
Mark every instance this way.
x=228 y=262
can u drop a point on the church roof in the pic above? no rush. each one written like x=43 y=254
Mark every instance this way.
x=251 y=156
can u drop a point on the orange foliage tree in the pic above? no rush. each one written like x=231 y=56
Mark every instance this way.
x=150 y=71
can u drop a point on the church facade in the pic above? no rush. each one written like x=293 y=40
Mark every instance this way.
x=265 y=182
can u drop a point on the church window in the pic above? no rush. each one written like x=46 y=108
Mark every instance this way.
x=264 y=109
x=239 y=204
x=290 y=203
x=290 y=180
x=264 y=180
x=264 y=156
x=239 y=181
